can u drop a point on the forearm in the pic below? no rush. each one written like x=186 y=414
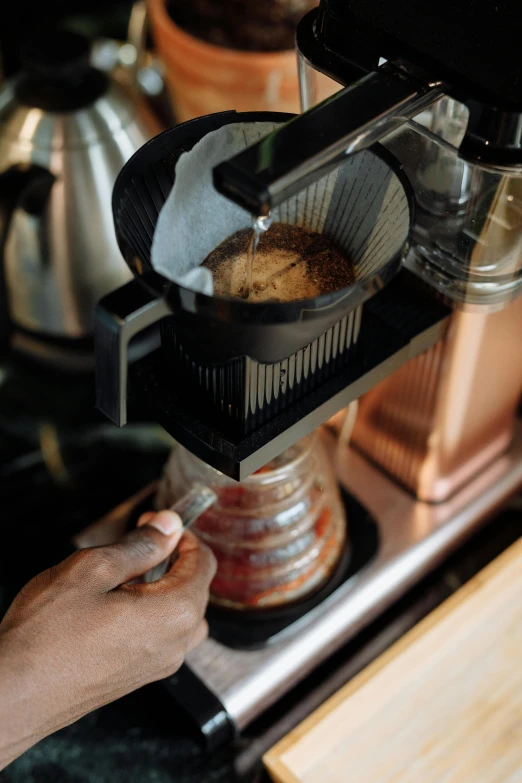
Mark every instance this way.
x=27 y=711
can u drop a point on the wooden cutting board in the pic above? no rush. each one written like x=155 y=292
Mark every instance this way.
x=443 y=705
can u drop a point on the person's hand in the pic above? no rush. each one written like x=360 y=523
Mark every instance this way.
x=79 y=635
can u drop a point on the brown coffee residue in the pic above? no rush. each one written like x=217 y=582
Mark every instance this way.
x=291 y=263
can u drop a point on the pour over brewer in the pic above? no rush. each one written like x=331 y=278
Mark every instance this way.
x=437 y=449
x=239 y=375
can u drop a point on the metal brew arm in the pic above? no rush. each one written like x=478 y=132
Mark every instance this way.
x=302 y=150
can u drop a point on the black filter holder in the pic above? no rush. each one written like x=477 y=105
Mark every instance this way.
x=241 y=394
x=399 y=322
x=240 y=363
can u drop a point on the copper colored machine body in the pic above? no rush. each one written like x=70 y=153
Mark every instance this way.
x=445 y=415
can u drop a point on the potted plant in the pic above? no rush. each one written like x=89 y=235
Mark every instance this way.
x=229 y=54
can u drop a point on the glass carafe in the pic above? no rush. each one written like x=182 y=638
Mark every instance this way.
x=277 y=536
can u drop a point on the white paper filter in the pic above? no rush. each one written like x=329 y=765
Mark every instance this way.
x=361 y=205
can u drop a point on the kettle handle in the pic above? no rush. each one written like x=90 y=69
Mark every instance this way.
x=119 y=317
x=26 y=186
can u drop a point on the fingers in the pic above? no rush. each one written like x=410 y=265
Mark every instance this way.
x=186 y=584
x=137 y=552
x=195 y=564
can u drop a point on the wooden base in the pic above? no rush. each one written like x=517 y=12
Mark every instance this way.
x=443 y=704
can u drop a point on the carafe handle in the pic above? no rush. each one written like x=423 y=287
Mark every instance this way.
x=190 y=507
x=26 y=186
x=119 y=317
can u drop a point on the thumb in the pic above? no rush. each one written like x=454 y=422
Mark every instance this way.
x=143 y=548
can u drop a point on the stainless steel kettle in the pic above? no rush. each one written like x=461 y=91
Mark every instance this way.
x=66 y=130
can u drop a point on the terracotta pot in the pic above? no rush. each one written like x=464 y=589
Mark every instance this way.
x=203 y=78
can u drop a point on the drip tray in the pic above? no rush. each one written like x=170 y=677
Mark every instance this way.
x=250 y=630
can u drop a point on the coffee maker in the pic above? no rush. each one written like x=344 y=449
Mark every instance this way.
x=432 y=356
